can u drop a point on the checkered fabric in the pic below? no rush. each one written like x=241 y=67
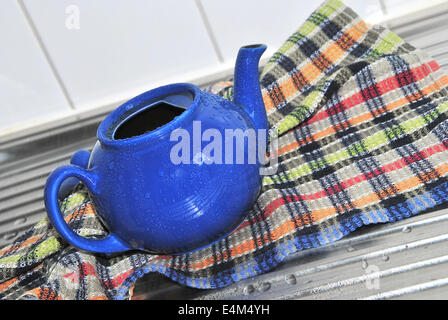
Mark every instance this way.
x=363 y=138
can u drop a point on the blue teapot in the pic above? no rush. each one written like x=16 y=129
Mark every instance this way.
x=154 y=184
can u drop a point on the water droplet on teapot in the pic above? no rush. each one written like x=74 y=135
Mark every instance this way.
x=147 y=195
x=111 y=165
x=385 y=257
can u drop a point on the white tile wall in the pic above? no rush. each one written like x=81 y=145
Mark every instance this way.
x=395 y=7
x=28 y=89
x=235 y=23
x=121 y=47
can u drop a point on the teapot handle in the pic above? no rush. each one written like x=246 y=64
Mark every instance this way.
x=109 y=244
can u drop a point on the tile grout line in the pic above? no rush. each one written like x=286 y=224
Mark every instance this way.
x=209 y=30
x=383 y=7
x=46 y=54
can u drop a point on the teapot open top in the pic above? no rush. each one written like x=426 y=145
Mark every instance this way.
x=149 y=201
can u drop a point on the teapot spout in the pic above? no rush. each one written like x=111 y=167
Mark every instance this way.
x=247 y=91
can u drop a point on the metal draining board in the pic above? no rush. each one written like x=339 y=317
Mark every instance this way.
x=388 y=261
x=408 y=259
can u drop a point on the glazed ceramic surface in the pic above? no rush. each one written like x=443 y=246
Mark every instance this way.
x=145 y=200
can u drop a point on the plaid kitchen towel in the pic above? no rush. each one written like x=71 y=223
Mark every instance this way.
x=363 y=138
